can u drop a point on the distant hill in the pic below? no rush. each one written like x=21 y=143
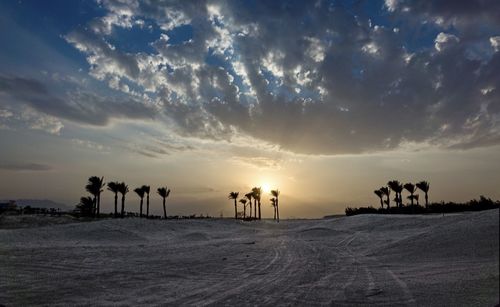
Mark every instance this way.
x=41 y=203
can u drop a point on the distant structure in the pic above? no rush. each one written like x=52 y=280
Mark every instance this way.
x=8 y=206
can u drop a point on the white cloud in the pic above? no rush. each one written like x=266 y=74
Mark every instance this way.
x=495 y=43
x=444 y=40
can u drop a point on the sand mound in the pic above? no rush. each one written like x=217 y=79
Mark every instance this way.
x=315 y=232
x=33 y=221
x=194 y=236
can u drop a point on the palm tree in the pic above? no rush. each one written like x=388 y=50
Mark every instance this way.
x=387 y=192
x=234 y=196
x=94 y=187
x=256 y=192
x=397 y=188
x=410 y=187
x=113 y=187
x=243 y=201
x=276 y=193
x=164 y=193
x=380 y=194
x=86 y=206
x=424 y=187
x=273 y=204
x=259 y=194
x=123 y=189
x=146 y=189
x=140 y=192
x=249 y=196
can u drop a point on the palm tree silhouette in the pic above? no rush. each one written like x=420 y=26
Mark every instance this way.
x=234 y=196
x=397 y=188
x=249 y=196
x=380 y=194
x=94 y=187
x=164 y=193
x=276 y=193
x=113 y=187
x=259 y=195
x=424 y=187
x=273 y=204
x=123 y=189
x=256 y=200
x=140 y=192
x=86 y=206
x=243 y=201
x=387 y=192
x=410 y=187
x=146 y=189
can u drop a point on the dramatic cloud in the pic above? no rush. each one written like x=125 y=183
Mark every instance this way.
x=311 y=77
x=76 y=105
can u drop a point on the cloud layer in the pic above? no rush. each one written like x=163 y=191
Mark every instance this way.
x=317 y=77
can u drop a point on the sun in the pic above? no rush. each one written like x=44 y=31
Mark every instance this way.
x=266 y=188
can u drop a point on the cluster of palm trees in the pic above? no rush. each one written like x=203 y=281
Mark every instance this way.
x=255 y=194
x=90 y=205
x=397 y=187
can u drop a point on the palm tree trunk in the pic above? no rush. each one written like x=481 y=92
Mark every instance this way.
x=277 y=210
x=244 y=211
x=164 y=209
x=250 y=214
x=140 y=209
x=94 y=209
x=260 y=217
x=411 y=199
x=116 y=205
x=147 y=206
x=123 y=206
x=235 y=210
x=255 y=208
x=98 y=204
x=426 y=200
x=381 y=203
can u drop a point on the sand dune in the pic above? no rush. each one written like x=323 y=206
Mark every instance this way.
x=361 y=260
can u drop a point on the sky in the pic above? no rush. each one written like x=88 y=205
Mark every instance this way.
x=324 y=100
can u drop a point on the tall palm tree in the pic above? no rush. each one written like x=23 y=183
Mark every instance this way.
x=249 y=196
x=276 y=193
x=86 y=206
x=147 y=189
x=410 y=187
x=387 y=192
x=397 y=187
x=380 y=195
x=243 y=201
x=113 y=187
x=140 y=192
x=94 y=186
x=123 y=189
x=256 y=193
x=273 y=204
x=424 y=187
x=259 y=194
x=234 y=196
x=164 y=193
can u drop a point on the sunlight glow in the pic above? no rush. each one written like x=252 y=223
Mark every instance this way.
x=266 y=188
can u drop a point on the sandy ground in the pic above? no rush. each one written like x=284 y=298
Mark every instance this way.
x=361 y=260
